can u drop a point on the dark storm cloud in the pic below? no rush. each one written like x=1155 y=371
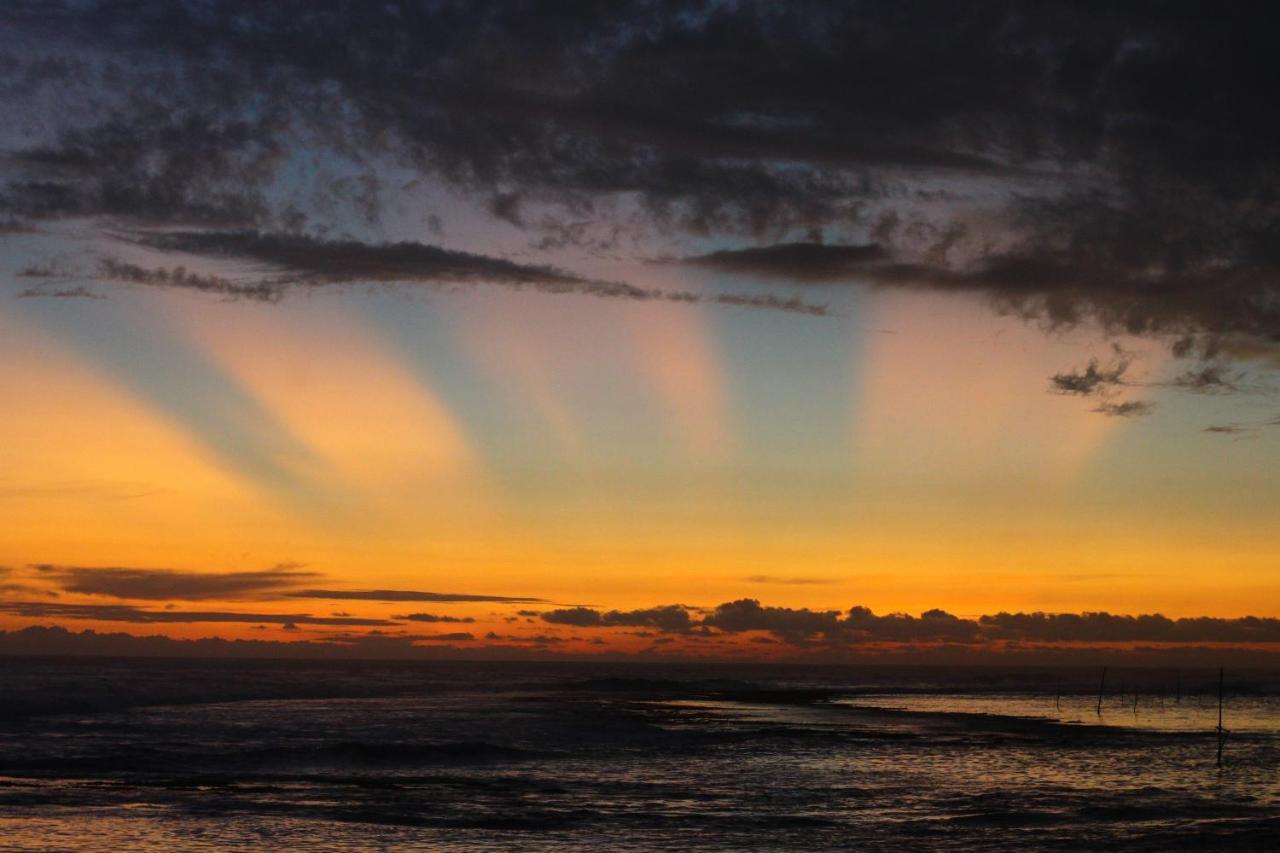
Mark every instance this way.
x=125 y=613
x=148 y=166
x=405 y=595
x=1059 y=286
x=161 y=584
x=1072 y=163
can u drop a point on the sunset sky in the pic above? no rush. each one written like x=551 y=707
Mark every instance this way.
x=486 y=329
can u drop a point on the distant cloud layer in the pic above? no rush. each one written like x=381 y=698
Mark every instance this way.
x=798 y=627
x=163 y=584
x=793 y=630
x=432 y=617
x=284 y=581
x=405 y=595
x=860 y=625
x=126 y=613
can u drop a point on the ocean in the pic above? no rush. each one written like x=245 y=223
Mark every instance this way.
x=162 y=754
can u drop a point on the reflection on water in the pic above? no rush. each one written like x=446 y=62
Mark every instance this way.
x=201 y=755
x=1158 y=713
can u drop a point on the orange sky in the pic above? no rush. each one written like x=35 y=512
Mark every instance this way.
x=633 y=457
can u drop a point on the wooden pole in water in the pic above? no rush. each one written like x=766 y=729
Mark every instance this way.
x=1178 y=700
x=1101 y=685
x=1220 y=731
x=1057 y=696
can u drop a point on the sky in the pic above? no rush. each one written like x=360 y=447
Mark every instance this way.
x=898 y=331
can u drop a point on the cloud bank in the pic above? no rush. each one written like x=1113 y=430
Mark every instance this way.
x=859 y=625
x=127 y=613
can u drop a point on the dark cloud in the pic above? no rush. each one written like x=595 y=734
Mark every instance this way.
x=110 y=268
x=582 y=617
x=194 y=167
x=860 y=626
x=747 y=614
x=55 y=640
x=534 y=639
x=41 y=271
x=1208 y=379
x=540 y=639
x=1092 y=380
x=297 y=260
x=857 y=631
x=455 y=637
x=671 y=617
x=1126 y=409
x=808 y=262
x=793 y=624
x=79 y=292
x=125 y=613
x=26 y=589
x=767 y=301
x=931 y=626
x=431 y=617
x=313 y=260
x=1050 y=284
x=404 y=595
x=1071 y=163
x=10 y=227
x=1240 y=431
x=857 y=625
x=1106 y=627
x=160 y=584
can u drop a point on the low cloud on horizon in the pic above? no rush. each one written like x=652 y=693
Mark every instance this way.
x=790 y=629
